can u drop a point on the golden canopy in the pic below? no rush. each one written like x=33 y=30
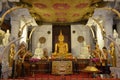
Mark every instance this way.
x=62 y=10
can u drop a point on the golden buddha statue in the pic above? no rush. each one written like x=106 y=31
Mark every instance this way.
x=105 y=53
x=98 y=54
x=112 y=53
x=11 y=55
x=61 y=48
x=97 y=51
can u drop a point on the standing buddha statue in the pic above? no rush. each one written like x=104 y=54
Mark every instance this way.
x=112 y=53
x=6 y=38
x=11 y=55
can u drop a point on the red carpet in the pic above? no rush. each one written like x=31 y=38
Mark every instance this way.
x=81 y=76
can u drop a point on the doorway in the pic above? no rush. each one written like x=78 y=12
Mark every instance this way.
x=66 y=31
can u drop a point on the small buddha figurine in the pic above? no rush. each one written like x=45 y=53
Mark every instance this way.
x=105 y=53
x=38 y=52
x=61 y=48
x=98 y=53
x=112 y=53
x=6 y=38
x=11 y=55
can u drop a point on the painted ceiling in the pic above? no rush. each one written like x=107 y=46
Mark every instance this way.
x=62 y=10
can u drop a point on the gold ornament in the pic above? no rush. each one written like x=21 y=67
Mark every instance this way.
x=42 y=40
x=80 y=39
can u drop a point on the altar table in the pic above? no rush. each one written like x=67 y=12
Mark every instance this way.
x=46 y=66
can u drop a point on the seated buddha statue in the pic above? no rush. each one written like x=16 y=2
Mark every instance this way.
x=38 y=52
x=61 y=47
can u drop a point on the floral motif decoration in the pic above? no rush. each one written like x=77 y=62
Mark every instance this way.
x=61 y=6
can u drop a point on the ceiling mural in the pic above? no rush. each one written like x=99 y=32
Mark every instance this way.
x=61 y=10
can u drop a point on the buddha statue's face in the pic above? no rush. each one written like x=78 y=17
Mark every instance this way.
x=61 y=37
